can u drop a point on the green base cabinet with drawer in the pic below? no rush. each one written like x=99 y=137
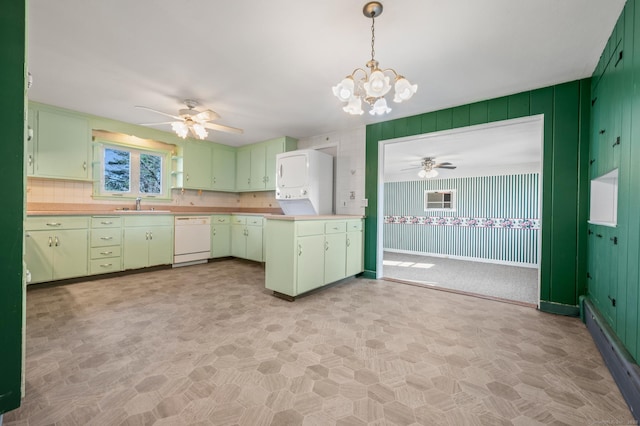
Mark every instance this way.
x=307 y=254
x=247 y=240
x=147 y=241
x=220 y=236
x=106 y=245
x=56 y=248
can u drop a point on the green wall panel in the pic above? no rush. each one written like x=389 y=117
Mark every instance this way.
x=12 y=108
x=563 y=110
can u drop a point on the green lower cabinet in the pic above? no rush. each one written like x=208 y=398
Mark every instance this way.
x=254 y=243
x=56 y=255
x=247 y=238
x=310 y=268
x=147 y=241
x=220 y=236
x=306 y=254
x=603 y=271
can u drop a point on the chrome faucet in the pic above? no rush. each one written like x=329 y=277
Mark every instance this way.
x=138 y=203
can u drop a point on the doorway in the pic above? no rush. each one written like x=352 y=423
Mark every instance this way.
x=460 y=210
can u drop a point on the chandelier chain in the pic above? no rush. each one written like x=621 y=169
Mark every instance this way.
x=373 y=38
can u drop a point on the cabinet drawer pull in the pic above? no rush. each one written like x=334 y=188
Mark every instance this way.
x=54 y=224
x=105 y=253
x=220 y=220
x=106 y=222
x=106 y=238
x=106 y=265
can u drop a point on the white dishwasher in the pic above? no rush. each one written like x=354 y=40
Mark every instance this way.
x=192 y=240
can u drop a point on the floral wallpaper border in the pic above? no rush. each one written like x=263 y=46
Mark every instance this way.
x=475 y=222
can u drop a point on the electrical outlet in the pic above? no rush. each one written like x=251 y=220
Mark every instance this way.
x=365 y=202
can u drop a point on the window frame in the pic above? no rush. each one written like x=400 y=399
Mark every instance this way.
x=454 y=200
x=134 y=192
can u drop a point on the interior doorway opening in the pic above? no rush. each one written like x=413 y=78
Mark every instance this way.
x=460 y=210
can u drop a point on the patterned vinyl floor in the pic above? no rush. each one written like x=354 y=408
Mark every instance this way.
x=208 y=345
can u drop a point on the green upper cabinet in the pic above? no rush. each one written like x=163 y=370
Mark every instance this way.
x=256 y=164
x=61 y=148
x=223 y=169
x=196 y=165
x=243 y=169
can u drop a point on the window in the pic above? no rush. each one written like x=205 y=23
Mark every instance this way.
x=440 y=200
x=131 y=172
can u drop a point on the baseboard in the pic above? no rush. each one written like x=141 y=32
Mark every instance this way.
x=623 y=368
x=559 y=309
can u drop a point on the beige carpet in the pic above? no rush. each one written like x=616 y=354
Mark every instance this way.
x=207 y=345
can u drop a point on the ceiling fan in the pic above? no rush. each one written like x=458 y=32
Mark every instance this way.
x=427 y=167
x=191 y=120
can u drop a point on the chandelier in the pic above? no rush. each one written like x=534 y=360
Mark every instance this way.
x=373 y=86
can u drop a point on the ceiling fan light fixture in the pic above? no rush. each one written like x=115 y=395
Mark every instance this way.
x=180 y=128
x=374 y=84
x=431 y=174
x=199 y=131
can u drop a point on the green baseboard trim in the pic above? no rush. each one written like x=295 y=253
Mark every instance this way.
x=560 y=309
x=368 y=274
x=581 y=302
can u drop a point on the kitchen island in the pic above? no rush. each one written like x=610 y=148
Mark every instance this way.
x=307 y=252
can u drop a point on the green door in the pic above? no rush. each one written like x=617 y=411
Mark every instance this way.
x=273 y=148
x=39 y=255
x=254 y=243
x=220 y=240
x=197 y=165
x=258 y=176
x=70 y=253
x=310 y=265
x=62 y=145
x=238 y=241
x=135 y=248
x=243 y=169
x=354 y=253
x=224 y=169
x=160 y=245
x=335 y=257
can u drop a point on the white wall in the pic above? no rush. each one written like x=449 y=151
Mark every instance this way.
x=350 y=166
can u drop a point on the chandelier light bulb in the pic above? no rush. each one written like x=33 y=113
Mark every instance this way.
x=380 y=107
x=404 y=90
x=378 y=85
x=345 y=89
x=354 y=107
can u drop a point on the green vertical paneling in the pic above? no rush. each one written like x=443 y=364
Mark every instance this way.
x=565 y=187
x=414 y=125
x=542 y=103
x=461 y=116
x=428 y=122
x=478 y=113
x=518 y=105
x=400 y=128
x=583 y=187
x=498 y=109
x=633 y=227
x=444 y=118
x=12 y=109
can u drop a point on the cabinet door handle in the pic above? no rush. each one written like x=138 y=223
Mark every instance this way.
x=50 y=241
x=151 y=235
x=106 y=222
x=105 y=253
x=326 y=245
x=146 y=236
x=54 y=224
x=57 y=241
x=249 y=181
x=348 y=242
x=106 y=238
x=267 y=179
x=214 y=232
x=187 y=176
x=30 y=159
x=106 y=265
x=84 y=165
x=299 y=250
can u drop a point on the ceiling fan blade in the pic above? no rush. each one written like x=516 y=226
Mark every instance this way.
x=221 y=128
x=445 y=167
x=411 y=168
x=159 y=112
x=206 y=115
x=155 y=124
x=446 y=163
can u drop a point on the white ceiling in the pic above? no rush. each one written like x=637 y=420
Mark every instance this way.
x=269 y=67
x=505 y=147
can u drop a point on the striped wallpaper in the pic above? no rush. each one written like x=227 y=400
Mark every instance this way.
x=508 y=198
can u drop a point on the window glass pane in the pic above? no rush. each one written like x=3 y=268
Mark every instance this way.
x=150 y=174
x=117 y=170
